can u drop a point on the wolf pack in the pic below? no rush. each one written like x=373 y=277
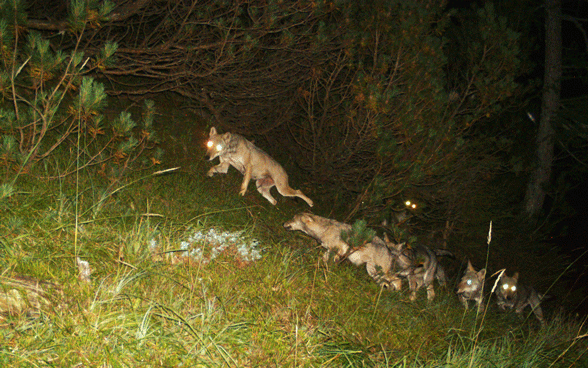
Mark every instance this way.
x=387 y=262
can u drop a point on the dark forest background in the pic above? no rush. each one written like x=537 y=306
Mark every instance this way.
x=458 y=106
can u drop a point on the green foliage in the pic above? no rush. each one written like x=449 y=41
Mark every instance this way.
x=12 y=13
x=123 y=124
x=50 y=104
x=8 y=147
x=91 y=99
x=358 y=235
x=6 y=190
x=88 y=14
x=107 y=57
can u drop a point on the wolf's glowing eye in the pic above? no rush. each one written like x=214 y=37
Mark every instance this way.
x=514 y=288
x=407 y=203
x=219 y=147
x=209 y=144
x=469 y=282
x=505 y=286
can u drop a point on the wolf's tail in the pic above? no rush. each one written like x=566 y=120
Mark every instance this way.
x=444 y=253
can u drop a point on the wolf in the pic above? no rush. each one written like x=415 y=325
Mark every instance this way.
x=419 y=265
x=377 y=257
x=234 y=150
x=471 y=287
x=513 y=295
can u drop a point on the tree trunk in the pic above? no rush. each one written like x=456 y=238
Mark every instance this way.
x=540 y=177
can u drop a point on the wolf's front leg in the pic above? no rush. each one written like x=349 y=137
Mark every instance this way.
x=221 y=168
x=395 y=282
x=430 y=292
x=330 y=255
x=377 y=275
x=480 y=304
x=464 y=301
x=412 y=285
x=246 y=179
x=539 y=314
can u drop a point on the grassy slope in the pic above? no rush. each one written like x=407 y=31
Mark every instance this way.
x=287 y=309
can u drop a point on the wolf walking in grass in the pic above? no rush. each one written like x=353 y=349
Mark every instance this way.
x=376 y=256
x=234 y=150
x=471 y=287
x=513 y=295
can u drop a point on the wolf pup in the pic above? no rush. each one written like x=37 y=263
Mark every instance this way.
x=252 y=162
x=512 y=295
x=471 y=287
x=419 y=265
x=375 y=255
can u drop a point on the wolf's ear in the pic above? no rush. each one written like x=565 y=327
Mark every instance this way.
x=482 y=273
x=516 y=276
x=212 y=131
x=399 y=247
x=470 y=267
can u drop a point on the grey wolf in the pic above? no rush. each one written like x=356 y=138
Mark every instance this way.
x=376 y=256
x=471 y=287
x=399 y=216
x=513 y=295
x=234 y=150
x=419 y=265
x=403 y=215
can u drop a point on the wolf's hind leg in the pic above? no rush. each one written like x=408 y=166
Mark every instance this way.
x=428 y=279
x=534 y=304
x=539 y=314
x=287 y=191
x=263 y=186
x=440 y=276
x=300 y=195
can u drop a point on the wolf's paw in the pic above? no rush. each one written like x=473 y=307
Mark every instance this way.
x=211 y=172
x=242 y=191
x=396 y=284
x=329 y=256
